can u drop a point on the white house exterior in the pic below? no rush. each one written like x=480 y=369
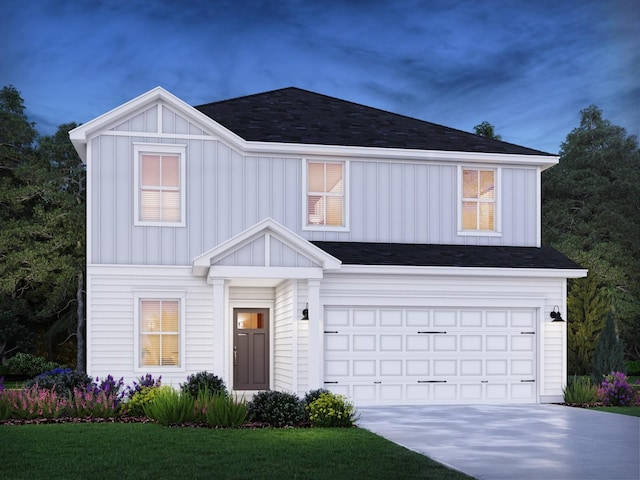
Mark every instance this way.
x=415 y=249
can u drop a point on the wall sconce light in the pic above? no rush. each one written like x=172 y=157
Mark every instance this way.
x=305 y=313
x=555 y=314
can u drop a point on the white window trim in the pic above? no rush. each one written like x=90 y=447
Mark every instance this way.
x=497 y=231
x=345 y=198
x=138 y=296
x=159 y=149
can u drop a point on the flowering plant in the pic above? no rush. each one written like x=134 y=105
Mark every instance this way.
x=331 y=410
x=615 y=390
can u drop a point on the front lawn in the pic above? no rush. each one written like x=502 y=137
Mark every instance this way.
x=632 y=411
x=115 y=450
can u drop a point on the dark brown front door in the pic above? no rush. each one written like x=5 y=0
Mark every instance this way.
x=250 y=348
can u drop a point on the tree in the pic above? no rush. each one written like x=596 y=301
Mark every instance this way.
x=585 y=319
x=485 y=129
x=609 y=353
x=42 y=217
x=591 y=212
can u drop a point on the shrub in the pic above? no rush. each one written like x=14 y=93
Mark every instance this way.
x=1 y=385
x=580 y=390
x=278 y=409
x=29 y=365
x=202 y=381
x=62 y=380
x=609 y=353
x=633 y=367
x=331 y=410
x=5 y=406
x=144 y=381
x=616 y=391
x=168 y=406
x=220 y=409
x=313 y=395
x=144 y=396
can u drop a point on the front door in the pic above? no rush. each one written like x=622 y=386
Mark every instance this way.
x=250 y=348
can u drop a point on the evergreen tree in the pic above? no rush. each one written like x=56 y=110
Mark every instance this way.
x=585 y=319
x=591 y=212
x=609 y=353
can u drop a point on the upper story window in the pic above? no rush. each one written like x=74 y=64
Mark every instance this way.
x=159 y=176
x=325 y=195
x=479 y=200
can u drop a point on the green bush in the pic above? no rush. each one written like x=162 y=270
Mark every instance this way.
x=580 y=390
x=202 y=381
x=331 y=410
x=28 y=365
x=278 y=409
x=609 y=353
x=633 y=368
x=169 y=406
x=220 y=410
x=62 y=380
x=145 y=395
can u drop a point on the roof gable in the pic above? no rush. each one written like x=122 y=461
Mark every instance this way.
x=252 y=248
x=293 y=115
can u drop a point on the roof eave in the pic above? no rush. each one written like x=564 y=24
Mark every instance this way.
x=464 y=271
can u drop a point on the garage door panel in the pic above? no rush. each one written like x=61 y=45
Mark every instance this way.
x=417 y=343
x=421 y=355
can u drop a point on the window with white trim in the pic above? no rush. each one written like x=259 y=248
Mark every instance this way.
x=159 y=174
x=325 y=194
x=159 y=323
x=478 y=200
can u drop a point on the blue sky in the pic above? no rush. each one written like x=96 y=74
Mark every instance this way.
x=528 y=67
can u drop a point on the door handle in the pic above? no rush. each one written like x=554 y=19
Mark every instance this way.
x=235 y=356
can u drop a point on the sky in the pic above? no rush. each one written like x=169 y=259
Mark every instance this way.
x=527 y=67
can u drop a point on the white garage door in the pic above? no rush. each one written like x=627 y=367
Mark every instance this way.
x=422 y=356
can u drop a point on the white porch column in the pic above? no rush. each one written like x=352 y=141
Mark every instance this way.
x=316 y=336
x=219 y=330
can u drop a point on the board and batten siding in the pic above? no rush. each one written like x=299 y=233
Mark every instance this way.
x=466 y=292
x=228 y=192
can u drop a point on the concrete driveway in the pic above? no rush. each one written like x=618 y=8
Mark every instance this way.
x=546 y=442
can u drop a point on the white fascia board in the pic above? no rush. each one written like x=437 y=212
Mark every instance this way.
x=268 y=148
x=81 y=135
x=279 y=273
x=202 y=263
x=463 y=271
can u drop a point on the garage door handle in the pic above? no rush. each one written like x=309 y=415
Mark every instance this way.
x=527 y=333
x=330 y=382
x=527 y=381
x=432 y=381
x=331 y=331
x=433 y=332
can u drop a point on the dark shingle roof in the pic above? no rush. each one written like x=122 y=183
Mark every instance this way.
x=357 y=253
x=293 y=115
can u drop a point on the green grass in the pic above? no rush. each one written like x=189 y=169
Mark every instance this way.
x=122 y=451
x=632 y=411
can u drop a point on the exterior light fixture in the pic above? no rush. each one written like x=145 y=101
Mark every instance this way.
x=305 y=313
x=555 y=314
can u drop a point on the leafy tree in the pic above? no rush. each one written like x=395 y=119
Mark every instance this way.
x=585 y=319
x=42 y=217
x=609 y=354
x=485 y=129
x=591 y=212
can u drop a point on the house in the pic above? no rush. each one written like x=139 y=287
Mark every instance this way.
x=289 y=240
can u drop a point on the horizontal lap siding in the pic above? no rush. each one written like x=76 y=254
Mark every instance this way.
x=283 y=338
x=111 y=322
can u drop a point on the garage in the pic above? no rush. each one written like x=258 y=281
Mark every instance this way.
x=389 y=355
